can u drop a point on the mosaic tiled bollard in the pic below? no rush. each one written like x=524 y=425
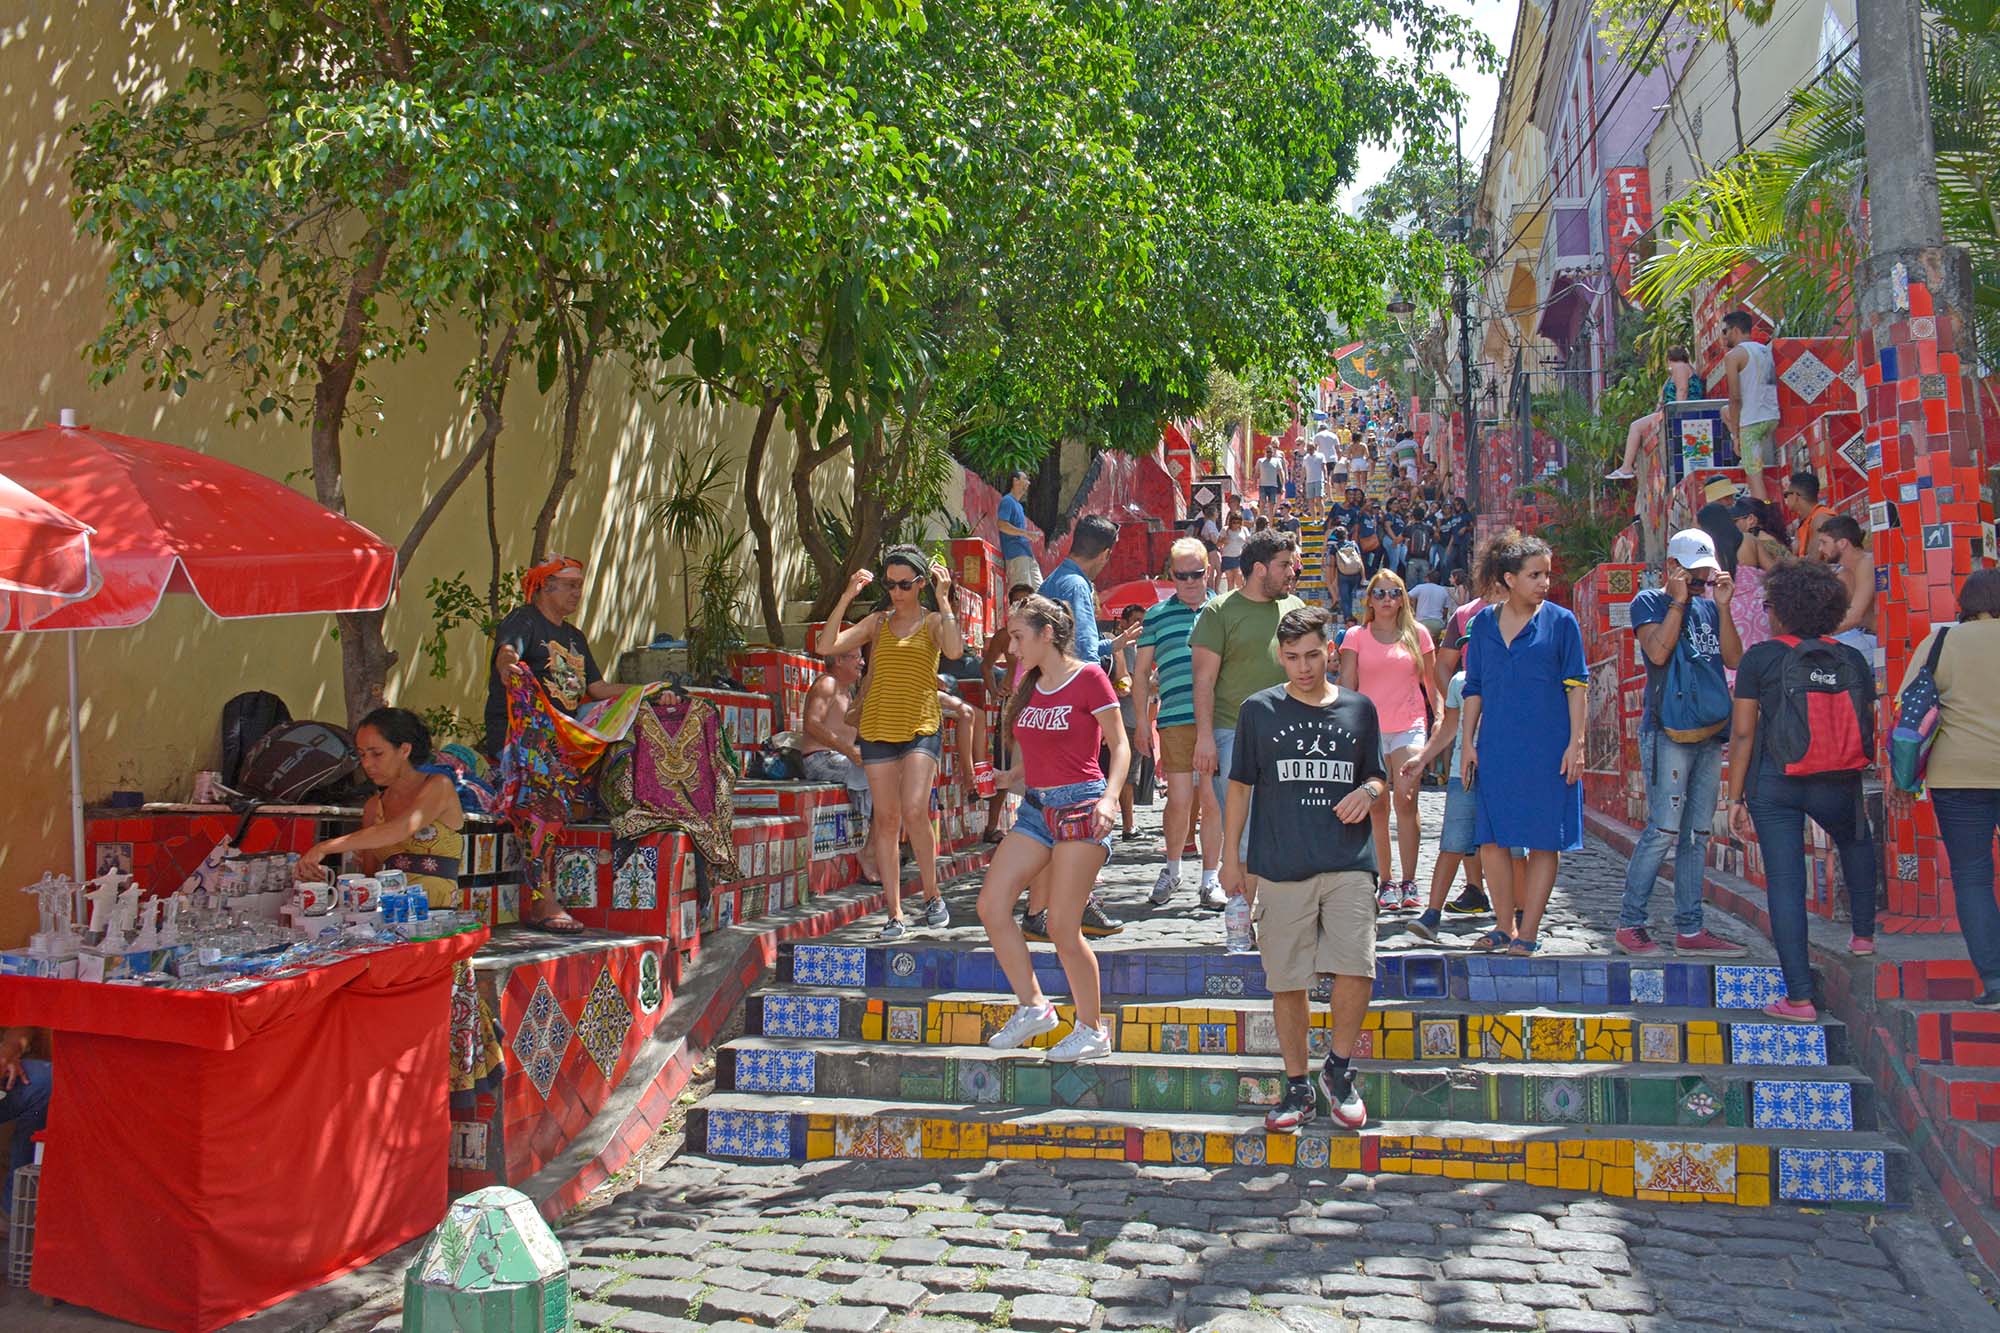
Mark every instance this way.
x=492 y=1266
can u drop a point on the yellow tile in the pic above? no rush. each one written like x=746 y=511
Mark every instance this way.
x=1753 y=1191
x=1495 y=1170
x=1457 y=1168
x=1624 y=1152
x=1150 y=1013
x=1574 y=1173
x=1618 y=1181
x=1281 y=1149
x=1429 y=1166
x=1541 y=1155
x=1393 y=1019
x=1396 y=1046
x=1156 y=1146
x=1543 y=1176
x=1395 y=1165
x=1753 y=1157
x=819 y=1143
x=1473 y=1147
x=1218 y=1150
x=1370 y=1021
x=1344 y=1154
x=871 y=1027
x=964 y=1030
x=1551 y=1038
x=1572 y=1147
x=972 y=1138
x=1427 y=1145
x=1134 y=1037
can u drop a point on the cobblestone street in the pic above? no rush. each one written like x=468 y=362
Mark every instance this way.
x=938 y=1245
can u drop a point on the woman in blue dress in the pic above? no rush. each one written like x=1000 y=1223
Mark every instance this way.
x=1525 y=692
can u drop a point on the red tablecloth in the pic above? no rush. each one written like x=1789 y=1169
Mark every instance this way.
x=209 y=1154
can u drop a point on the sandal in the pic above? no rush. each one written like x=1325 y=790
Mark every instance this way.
x=562 y=923
x=1524 y=948
x=1493 y=939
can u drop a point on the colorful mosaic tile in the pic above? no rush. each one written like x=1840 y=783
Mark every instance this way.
x=1260 y=1090
x=1311 y=1152
x=1649 y=985
x=576 y=879
x=1802 y=1104
x=652 y=989
x=1438 y=1038
x=1248 y=1150
x=605 y=1020
x=765 y=1135
x=906 y=1023
x=1777 y=1044
x=776 y=1071
x=980 y=1081
x=1561 y=1100
x=877 y=1137
x=542 y=1038
x=1685 y=1168
x=830 y=965
x=1551 y=1038
x=815 y=1016
x=1833 y=1175
x=635 y=877
x=1748 y=987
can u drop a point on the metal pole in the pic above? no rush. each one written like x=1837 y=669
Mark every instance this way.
x=1463 y=300
x=75 y=766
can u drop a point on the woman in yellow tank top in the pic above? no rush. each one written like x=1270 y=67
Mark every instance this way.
x=900 y=715
x=415 y=823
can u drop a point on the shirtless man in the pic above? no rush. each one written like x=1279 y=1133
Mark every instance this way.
x=1839 y=544
x=831 y=753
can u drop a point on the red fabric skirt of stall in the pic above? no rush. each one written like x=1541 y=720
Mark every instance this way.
x=208 y=1155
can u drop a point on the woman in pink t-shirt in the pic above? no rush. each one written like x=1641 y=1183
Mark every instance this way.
x=1388 y=658
x=1060 y=712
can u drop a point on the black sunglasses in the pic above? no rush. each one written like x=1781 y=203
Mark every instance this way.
x=1189 y=575
x=904 y=584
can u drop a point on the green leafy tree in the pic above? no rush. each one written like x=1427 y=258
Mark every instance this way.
x=1644 y=35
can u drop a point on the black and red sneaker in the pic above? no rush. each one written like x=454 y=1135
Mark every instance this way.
x=1298 y=1108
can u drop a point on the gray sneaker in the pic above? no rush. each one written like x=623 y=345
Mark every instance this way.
x=892 y=929
x=936 y=914
x=1165 y=887
x=1095 y=922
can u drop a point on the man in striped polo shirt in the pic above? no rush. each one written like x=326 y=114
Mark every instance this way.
x=1163 y=647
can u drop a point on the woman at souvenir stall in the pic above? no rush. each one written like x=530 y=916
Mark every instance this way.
x=414 y=822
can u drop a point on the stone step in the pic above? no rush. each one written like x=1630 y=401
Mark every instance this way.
x=1689 y=1165
x=1947 y=1033
x=1955 y=1093
x=1175 y=973
x=1485 y=1091
x=1443 y=1029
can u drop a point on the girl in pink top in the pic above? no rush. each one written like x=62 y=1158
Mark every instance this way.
x=1060 y=712
x=1388 y=658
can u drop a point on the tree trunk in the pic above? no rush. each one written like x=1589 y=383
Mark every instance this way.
x=760 y=525
x=579 y=361
x=1735 y=84
x=806 y=460
x=492 y=537
x=365 y=658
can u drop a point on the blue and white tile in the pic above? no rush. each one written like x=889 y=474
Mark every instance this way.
x=766 y=1135
x=830 y=965
x=1777 y=1044
x=1833 y=1175
x=777 y=1071
x=1649 y=985
x=1738 y=987
x=1801 y=1104
x=802 y=1016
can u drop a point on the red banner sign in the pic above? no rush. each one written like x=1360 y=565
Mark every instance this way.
x=1628 y=212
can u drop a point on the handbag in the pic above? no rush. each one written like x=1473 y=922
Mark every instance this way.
x=1917 y=719
x=1072 y=823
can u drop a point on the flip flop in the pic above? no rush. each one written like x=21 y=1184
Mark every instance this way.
x=556 y=925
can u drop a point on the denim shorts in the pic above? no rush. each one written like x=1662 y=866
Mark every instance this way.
x=1033 y=823
x=888 y=752
x=1230 y=562
x=1459 y=836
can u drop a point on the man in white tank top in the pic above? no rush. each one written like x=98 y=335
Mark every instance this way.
x=1752 y=413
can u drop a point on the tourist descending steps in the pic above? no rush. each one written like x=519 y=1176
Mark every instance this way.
x=1803 y=734
x=1305 y=773
x=901 y=718
x=1525 y=691
x=1458 y=841
x=1061 y=711
x=1389 y=659
x=1163 y=650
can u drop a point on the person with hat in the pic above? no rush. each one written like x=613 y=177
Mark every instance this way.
x=1688 y=637
x=539 y=633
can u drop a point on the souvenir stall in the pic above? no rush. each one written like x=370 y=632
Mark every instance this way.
x=288 y=1043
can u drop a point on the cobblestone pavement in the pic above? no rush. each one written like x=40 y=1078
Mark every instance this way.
x=839 y=1246
x=943 y=1247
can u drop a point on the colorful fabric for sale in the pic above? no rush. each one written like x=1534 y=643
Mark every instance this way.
x=549 y=754
x=682 y=775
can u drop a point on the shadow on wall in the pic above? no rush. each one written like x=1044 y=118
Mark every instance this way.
x=153 y=694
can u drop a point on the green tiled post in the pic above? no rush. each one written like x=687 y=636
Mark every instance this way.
x=492 y=1266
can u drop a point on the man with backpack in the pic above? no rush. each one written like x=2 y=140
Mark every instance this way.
x=1687 y=638
x=1803 y=734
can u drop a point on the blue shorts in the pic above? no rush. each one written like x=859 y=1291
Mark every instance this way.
x=1269 y=495
x=1459 y=837
x=1230 y=562
x=888 y=752
x=1031 y=821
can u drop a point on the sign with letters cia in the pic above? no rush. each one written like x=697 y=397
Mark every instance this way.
x=1628 y=212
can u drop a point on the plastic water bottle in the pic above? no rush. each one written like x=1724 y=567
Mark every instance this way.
x=1236 y=925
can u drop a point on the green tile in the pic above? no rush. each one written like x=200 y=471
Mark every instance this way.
x=1653 y=1101
x=1700 y=1103
x=1028 y=1084
x=1076 y=1085
x=1508 y=1098
x=1160 y=1089
x=1213 y=1091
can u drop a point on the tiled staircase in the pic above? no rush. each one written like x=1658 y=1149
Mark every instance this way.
x=1655 y=1080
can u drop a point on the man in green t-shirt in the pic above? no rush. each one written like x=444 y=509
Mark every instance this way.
x=1234 y=647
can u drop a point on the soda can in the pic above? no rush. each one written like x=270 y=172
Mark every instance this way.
x=395 y=909
x=417 y=904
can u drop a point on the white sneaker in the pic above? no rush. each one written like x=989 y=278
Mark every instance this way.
x=1081 y=1044
x=1165 y=887
x=1027 y=1024
x=1212 y=896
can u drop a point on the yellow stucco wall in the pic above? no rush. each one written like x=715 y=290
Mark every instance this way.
x=153 y=694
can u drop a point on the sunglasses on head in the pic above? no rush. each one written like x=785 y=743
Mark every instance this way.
x=1189 y=575
x=1386 y=594
x=904 y=584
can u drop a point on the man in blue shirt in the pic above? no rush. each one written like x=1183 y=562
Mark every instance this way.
x=1682 y=776
x=1016 y=546
x=1074 y=581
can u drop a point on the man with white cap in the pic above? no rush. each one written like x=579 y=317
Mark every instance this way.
x=1688 y=637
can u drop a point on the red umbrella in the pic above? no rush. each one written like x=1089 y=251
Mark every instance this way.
x=1134 y=592
x=44 y=553
x=167 y=519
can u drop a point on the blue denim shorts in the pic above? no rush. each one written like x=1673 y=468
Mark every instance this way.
x=888 y=752
x=1032 y=822
x=1459 y=836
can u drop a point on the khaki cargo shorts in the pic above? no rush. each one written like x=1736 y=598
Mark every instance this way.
x=1307 y=927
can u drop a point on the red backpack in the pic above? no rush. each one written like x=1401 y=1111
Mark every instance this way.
x=1823 y=720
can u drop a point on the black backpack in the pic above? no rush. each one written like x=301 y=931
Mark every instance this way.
x=246 y=719
x=1823 y=720
x=297 y=759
